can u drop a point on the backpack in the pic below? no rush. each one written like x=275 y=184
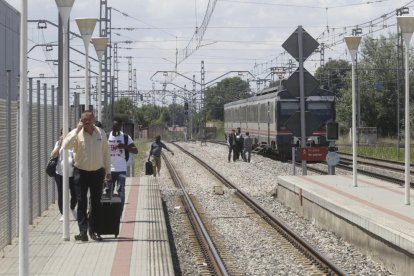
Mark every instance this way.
x=126 y=144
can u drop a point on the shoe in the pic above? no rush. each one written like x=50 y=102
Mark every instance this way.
x=61 y=218
x=96 y=237
x=80 y=237
x=74 y=214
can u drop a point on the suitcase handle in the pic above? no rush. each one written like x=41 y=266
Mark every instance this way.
x=108 y=189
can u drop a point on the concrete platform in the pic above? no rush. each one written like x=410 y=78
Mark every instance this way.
x=142 y=247
x=372 y=216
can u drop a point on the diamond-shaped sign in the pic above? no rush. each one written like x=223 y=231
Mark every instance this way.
x=292 y=84
x=312 y=124
x=291 y=44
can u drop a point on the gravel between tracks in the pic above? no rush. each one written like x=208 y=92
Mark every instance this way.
x=256 y=253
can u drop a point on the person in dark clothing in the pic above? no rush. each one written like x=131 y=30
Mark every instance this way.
x=239 y=143
x=231 y=141
x=155 y=151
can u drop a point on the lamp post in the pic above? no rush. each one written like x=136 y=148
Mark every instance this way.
x=23 y=150
x=352 y=42
x=65 y=7
x=86 y=27
x=406 y=24
x=100 y=44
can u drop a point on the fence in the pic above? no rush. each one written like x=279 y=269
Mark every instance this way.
x=44 y=118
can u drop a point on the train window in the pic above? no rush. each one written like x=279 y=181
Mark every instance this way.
x=256 y=112
x=271 y=112
x=251 y=113
x=263 y=117
x=288 y=108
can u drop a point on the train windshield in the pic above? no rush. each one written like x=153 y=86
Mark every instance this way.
x=288 y=108
x=320 y=109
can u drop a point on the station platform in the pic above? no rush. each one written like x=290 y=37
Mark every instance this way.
x=142 y=246
x=372 y=216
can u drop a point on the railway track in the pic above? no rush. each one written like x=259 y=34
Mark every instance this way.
x=396 y=166
x=346 y=164
x=313 y=261
x=215 y=263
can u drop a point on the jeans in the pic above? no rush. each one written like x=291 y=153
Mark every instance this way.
x=118 y=179
x=246 y=154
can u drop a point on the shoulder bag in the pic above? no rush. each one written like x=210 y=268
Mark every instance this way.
x=51 y=166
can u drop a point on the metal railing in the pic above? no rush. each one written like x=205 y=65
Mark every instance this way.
x=44 y=119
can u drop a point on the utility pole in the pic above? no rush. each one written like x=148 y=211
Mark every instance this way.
x=135 y=95
x=105 y=31
x=203 y=111
x=129 y=74
x=193 y=106
x=116 y=71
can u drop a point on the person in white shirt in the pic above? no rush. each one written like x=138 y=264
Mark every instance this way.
x=120 y=145
x=58 y=152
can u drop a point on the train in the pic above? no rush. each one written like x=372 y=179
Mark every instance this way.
x=265 y=116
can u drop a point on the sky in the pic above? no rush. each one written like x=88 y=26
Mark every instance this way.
x=243 y=37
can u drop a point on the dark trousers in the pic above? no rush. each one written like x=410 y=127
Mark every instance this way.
x=59 y=185
x=232 y=149
x=84 y=180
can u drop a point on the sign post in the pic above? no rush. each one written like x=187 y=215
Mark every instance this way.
x=300 y=45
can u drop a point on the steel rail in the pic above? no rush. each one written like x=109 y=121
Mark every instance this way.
x=302 y=245
x=212 y=251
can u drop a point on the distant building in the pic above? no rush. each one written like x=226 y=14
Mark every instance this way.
x=9 y=49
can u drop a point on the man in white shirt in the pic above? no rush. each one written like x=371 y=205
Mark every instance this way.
x=120 y=145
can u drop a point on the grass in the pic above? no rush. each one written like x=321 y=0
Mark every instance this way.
x=142 y=156
x=384 y=149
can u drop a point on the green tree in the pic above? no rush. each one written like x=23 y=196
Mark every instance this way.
x=377 y=84
x=376 y=75
x=333 y=75
x=227 y=90
x=124 y=108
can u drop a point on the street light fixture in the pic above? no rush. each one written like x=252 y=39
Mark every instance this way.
x=406 y=24
x=100 y=44
x=65 y=7
x=352 y=42
x=86 y=27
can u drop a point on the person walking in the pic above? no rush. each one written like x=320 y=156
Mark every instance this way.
x=231 y=141
x=58 y=152
x=155 y=152
x=92 y=166
x=247 y=147
x=120 y=145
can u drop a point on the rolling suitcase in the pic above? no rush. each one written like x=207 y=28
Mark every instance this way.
x=149 y=170
x=108 y=217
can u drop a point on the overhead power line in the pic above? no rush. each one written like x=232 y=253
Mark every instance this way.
x=195 y=41
x=152 y=26
x=334 y=36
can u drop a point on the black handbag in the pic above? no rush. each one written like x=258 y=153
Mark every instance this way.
x=51 y=166
x=148 y=168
